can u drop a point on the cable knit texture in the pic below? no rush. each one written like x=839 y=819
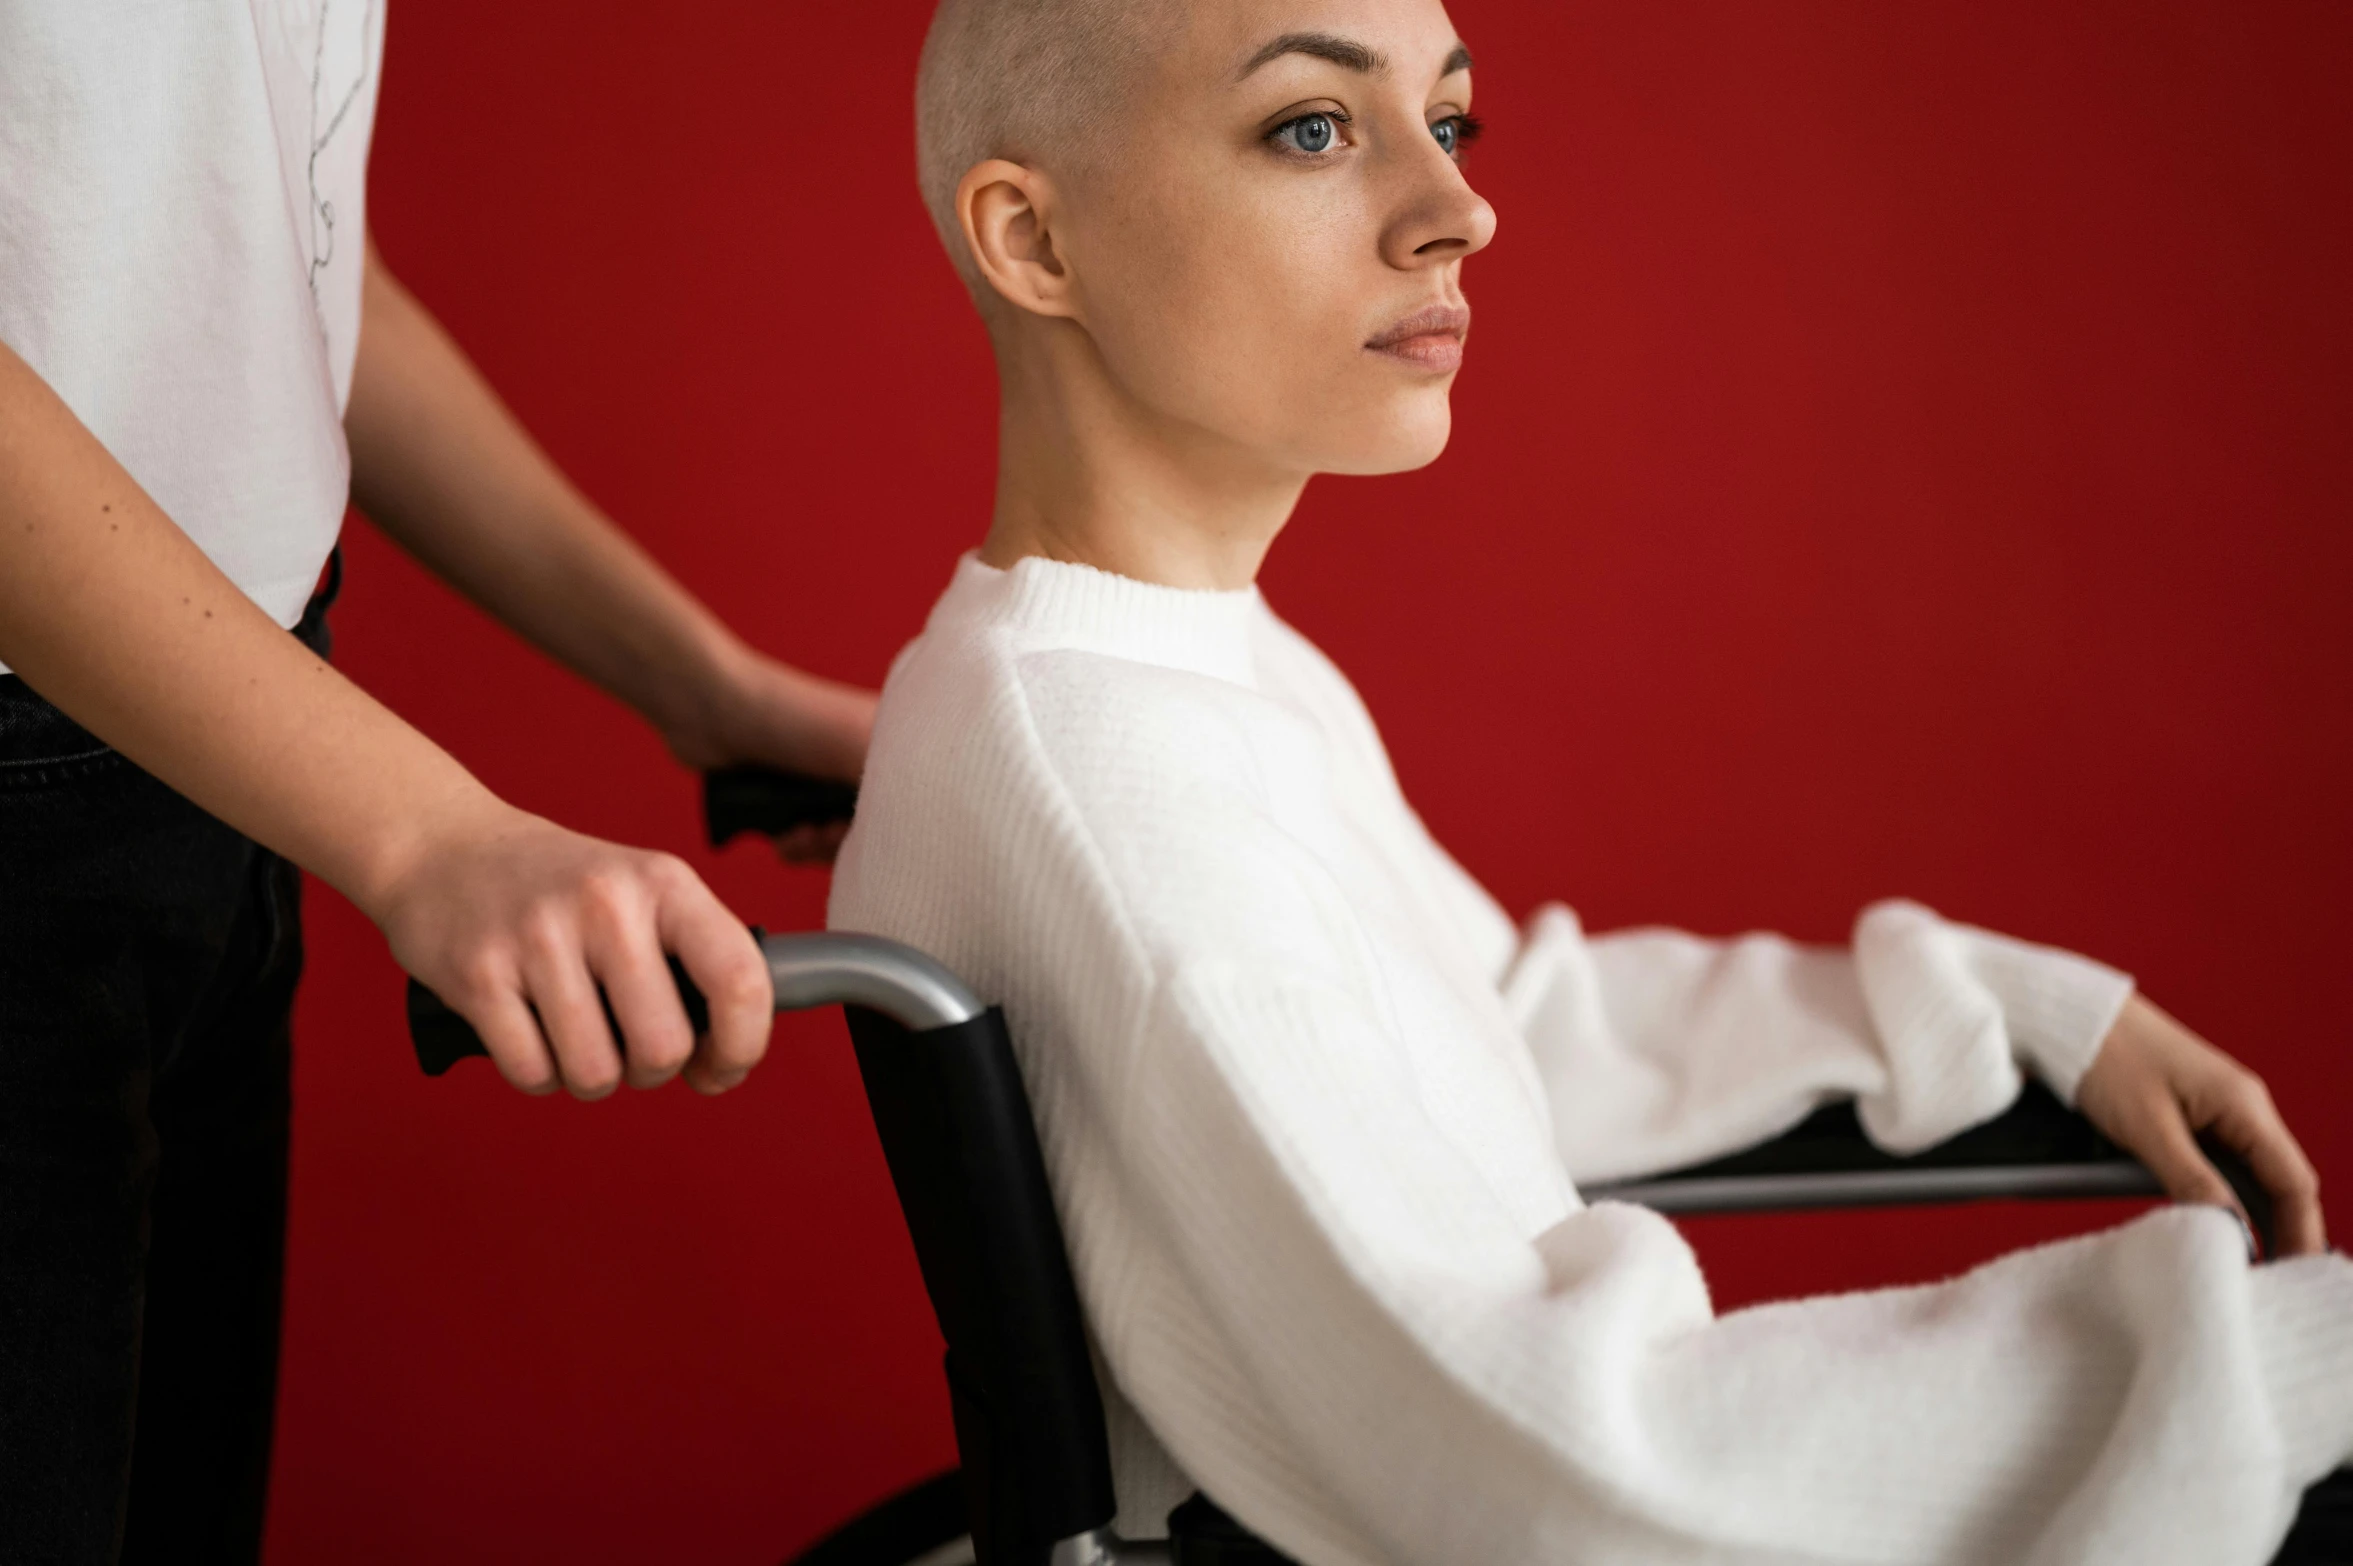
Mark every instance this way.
x=1314 y=1110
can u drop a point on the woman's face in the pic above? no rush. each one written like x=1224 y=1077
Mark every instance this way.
x=1270 y=247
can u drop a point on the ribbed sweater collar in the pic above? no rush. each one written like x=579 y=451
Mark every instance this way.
x=1050 y=603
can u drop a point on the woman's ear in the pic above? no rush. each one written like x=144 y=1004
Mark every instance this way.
x=1007 y=211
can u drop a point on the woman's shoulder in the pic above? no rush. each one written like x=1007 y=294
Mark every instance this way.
x=1098 y=719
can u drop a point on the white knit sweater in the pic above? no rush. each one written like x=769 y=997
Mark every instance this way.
x=1314 y=1108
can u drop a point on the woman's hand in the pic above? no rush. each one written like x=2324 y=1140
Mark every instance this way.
x=517 y=923
x=764 y=713
x=2155 y=1085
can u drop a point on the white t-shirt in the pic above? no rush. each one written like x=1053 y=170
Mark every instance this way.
x=182 y=222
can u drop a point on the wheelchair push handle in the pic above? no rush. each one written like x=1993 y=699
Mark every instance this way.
x=737 y=800
x=814 y=968
x=443 y=1038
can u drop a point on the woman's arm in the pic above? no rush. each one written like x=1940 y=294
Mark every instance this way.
x=440 y=464
x=111 y=612
x=1662 y=1049
x=2137 y=1395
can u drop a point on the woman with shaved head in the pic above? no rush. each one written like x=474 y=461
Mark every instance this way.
x=1315 y=1109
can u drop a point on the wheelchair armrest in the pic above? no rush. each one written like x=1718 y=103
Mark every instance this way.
x=2038 y=1149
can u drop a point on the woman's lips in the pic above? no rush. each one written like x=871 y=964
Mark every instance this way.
x=1429 y=339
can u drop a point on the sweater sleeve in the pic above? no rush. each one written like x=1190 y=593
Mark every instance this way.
x=2140 y=1396
x=1660 y=1049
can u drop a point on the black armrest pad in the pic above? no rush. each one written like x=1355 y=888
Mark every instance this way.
x=2037 y=1129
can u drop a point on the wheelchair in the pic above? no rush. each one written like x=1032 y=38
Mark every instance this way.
x=1035 y=1487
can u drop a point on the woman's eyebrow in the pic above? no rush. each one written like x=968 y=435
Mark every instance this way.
x=1344 y=52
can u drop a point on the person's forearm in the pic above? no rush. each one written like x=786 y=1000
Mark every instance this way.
x=440 y=464
x=110 y=611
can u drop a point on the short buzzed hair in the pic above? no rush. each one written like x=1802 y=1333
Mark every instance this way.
x=1019 y=79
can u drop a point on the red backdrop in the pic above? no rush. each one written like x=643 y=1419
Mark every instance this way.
x=1905 y=450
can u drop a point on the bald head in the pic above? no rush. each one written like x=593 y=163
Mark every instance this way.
x=1035 y=81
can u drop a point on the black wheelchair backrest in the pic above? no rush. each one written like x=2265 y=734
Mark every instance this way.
x=963 y=1153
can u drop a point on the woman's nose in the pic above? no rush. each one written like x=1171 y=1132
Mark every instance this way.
x=1440 y=218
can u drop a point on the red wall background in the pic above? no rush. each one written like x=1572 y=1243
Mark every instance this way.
x=1906 y=449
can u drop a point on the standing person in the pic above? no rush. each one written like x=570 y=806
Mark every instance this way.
x=200 y=358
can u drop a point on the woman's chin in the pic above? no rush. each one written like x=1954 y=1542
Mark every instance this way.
x=1413 y=438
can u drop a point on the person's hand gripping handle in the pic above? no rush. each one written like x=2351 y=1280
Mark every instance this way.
x=735 y=800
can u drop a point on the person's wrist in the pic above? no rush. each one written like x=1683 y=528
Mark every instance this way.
x=752 y=708
x=385 y=865
x=703 y=717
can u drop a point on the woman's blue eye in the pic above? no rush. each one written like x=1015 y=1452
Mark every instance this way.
x=1309 y=133
x=1454 y=133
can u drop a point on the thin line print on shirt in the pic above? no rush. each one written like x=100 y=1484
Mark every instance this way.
x=322 y=208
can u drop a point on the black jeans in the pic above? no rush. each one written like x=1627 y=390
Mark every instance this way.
x=148 y=958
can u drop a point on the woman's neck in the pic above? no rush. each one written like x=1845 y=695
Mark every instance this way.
x=1091 y=479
